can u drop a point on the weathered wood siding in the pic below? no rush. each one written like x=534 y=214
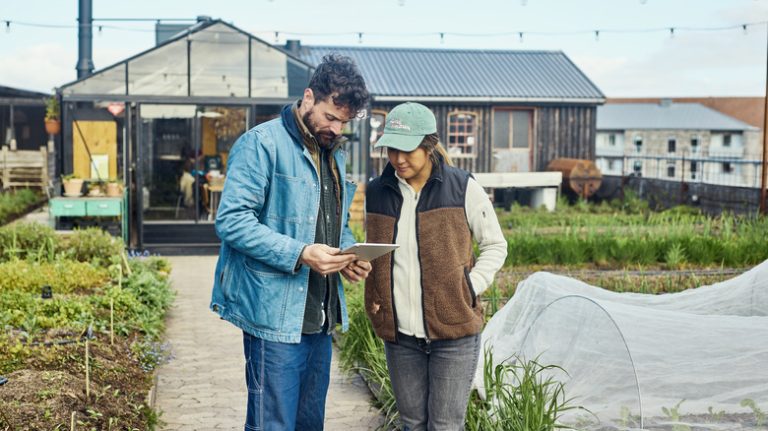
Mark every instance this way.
x=564 y=131
x=558 y=131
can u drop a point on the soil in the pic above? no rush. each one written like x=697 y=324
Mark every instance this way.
x=48 y=386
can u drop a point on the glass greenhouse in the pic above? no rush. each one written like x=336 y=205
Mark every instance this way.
x=174 y=111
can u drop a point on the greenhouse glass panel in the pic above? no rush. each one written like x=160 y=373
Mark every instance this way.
x=219 y=56
x=109 y=81
x=269 y=74
x=160 y=72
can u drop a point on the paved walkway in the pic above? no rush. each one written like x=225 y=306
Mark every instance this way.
x=203 y=386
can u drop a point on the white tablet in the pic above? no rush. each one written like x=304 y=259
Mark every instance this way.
x=369 y=251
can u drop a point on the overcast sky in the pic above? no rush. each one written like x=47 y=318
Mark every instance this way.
x=634 y=62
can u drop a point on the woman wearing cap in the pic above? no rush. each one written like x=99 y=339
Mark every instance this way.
x=422 y=298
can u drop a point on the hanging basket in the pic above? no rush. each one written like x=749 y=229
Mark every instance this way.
x=53 y=127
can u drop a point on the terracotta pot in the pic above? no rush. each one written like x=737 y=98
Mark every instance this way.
x=114 y=190
x=53 y=127
x=73 y=187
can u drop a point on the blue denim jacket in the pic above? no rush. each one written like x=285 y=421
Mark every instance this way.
x=268 y=213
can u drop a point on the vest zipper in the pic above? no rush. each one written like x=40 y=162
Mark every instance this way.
x=392 y=263
x=421 y=272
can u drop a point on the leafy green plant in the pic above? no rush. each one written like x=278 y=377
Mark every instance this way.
x=675 y=256
x=759 y=414
x=520 y=395
x=65 y=276
x=52 y=108
x=673 y=413
x=91 y=245
x=13 y=204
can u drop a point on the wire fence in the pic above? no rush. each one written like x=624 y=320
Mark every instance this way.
x=732 y=169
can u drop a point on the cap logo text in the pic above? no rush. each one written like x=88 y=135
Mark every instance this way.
x=397 y=124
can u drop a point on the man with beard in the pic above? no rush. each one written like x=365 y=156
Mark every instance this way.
x=282 y=221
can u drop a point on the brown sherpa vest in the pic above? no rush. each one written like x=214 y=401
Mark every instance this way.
x=450 y=307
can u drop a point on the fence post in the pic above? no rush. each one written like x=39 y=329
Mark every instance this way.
x=44 y=170
x=6 y=172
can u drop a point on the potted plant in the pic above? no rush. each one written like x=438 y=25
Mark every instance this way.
x=52 y=115
x=73 y=185
x=113 y=188
x=96 y=188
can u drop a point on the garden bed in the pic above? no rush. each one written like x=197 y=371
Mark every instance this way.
x=61 y=297
x=15 y=204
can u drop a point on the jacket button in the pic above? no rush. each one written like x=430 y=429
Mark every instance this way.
x=216 y=308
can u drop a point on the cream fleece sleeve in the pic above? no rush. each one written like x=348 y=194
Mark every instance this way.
x=487 y=234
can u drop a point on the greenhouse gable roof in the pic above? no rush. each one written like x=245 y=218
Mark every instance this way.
x=212 y=59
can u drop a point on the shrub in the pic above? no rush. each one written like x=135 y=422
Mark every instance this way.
x=27 y=241
x=90 y=245
x=63 y=276
x=16 y=203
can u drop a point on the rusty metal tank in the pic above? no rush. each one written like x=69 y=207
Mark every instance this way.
x=580 y=176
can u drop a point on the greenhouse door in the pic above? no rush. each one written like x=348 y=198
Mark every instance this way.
x=182 y=152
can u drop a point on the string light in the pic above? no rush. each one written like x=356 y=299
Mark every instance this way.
x=744 y=27
x=597 y=35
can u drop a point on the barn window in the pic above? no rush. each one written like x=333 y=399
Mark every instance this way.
x=376 y=121
x=512 y=130
x=462 y=133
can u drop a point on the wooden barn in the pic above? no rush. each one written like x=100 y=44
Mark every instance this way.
x=497 y=110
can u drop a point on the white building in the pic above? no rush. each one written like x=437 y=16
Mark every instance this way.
x=677 y=141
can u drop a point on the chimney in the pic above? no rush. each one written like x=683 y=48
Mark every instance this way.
x=293 y=46
x=84 y=38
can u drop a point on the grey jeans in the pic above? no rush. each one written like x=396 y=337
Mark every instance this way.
x=431 y=382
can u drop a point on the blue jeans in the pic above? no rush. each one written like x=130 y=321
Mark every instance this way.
x=287 y=383
x=431 y=382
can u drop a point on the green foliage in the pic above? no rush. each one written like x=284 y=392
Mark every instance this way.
x=52 y=108
x=90 y=245
x=64 y=276
x=520 y=395
x=723 y=241
x=675 y=257
x=13 y=204
x=673 y=413
x=363 y=351
x=357 y=231
x=31 y=241
x=759 y=414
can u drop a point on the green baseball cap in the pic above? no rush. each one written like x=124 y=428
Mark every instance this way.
x=406 y=125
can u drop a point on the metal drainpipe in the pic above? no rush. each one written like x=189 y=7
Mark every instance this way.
x=85 y=39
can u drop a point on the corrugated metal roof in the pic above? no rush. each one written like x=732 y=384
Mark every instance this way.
x=408 y=72
x=690 y=116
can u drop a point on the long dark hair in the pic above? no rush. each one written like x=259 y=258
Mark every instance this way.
x=437 y=153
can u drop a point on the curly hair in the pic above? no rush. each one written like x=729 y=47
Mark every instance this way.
x=337 y=77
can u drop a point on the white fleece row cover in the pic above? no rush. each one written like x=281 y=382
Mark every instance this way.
x=701 y=354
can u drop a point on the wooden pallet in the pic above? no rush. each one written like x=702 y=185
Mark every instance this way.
x=23 y=168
